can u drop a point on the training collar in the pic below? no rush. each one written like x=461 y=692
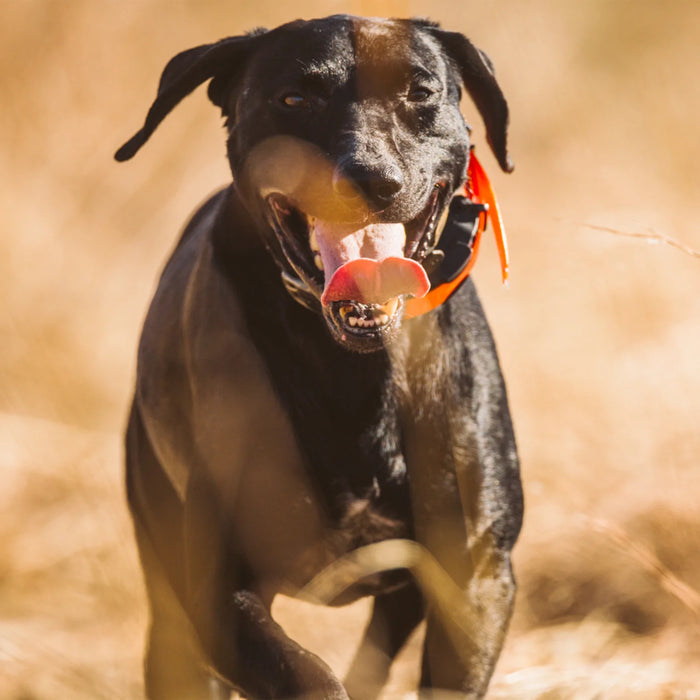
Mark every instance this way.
x=460 y=239
x=454 y=255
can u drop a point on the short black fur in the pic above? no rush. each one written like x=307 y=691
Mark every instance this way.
x=264 y=443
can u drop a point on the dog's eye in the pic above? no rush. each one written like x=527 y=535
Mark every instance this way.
x=419 y=94
x=294 y=100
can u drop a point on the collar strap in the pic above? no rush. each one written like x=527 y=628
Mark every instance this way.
x=454 y=256
x=459 y=242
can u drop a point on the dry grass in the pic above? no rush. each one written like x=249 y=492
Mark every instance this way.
x=598 y=333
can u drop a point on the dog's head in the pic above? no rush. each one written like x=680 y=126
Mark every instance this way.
x=346 y=144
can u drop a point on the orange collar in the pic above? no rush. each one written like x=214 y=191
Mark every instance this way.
x=478 y=190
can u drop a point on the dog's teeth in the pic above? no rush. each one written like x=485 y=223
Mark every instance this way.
x=317 y=261
x=313 y=241
x=371 y=318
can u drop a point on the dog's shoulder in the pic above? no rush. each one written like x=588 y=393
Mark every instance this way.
x=196 y=350
x=192 y=296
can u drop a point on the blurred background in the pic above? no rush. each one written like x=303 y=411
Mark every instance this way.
x=598 y=331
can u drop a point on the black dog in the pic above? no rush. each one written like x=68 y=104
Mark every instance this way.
x=286 y=413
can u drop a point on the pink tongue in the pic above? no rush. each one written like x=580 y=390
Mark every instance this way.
x=367 y=265
x=376 y=282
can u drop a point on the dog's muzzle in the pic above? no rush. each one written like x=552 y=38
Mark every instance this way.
x=357 y=274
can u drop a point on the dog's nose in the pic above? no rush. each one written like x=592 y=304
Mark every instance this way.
x=377 y=185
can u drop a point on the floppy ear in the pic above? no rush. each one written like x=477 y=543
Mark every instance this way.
x=184 y=73
x=480 y=82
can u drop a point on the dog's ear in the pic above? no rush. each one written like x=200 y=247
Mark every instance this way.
x=480 y=82
x=183 y=74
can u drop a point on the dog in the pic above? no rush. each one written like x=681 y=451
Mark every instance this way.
x=287 y=411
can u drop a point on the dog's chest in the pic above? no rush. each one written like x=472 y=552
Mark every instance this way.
x=351 y=443
x=348 y=414
x=345 y=415
x=351 y=448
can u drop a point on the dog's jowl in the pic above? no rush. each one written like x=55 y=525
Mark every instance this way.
x=290 y=413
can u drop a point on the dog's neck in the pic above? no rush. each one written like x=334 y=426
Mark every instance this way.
x=235 y=231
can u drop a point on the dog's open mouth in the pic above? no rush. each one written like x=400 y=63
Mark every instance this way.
x=360 y=272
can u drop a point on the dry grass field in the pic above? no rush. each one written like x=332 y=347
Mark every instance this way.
x=599 y=332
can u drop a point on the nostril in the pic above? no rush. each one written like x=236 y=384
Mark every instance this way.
x=388 y=184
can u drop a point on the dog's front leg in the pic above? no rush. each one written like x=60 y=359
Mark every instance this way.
x=464 y=638
x=462 y=644
x=461 y=650
x=253 y=653
x=239 y=638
